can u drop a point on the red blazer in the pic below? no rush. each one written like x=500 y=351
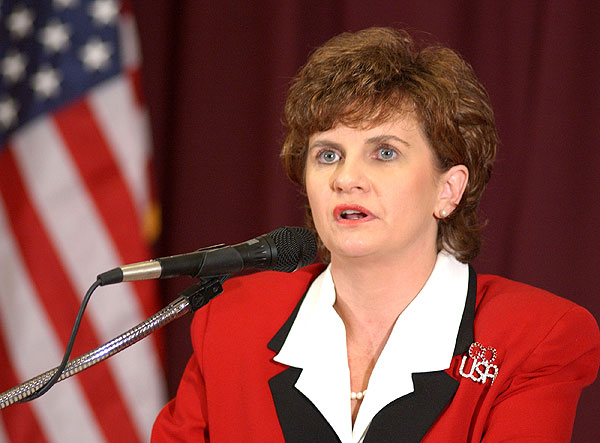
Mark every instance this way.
x=547 y=347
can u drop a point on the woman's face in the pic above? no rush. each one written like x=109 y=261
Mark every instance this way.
x=374 y=191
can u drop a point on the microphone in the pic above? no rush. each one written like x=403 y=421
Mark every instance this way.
x=285 y=249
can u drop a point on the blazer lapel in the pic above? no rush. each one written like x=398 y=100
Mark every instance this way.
x=406 y=419
x=300 y=420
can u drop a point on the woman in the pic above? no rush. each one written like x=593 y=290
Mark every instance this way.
x=397 y=338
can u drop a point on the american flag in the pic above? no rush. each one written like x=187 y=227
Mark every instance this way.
x=74 y=199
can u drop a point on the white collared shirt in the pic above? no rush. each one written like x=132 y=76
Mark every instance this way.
x=422 y=340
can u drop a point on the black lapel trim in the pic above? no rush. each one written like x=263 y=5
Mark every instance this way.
x=407 y=419
x=465 y=330
x=278 y=339
x=300 y=420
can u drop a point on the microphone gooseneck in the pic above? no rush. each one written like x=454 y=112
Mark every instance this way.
x=285 y=249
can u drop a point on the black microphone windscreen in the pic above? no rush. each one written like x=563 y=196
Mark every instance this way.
x=308 y=244
x=296 y=248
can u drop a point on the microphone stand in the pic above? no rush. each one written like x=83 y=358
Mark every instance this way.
x=189 y=299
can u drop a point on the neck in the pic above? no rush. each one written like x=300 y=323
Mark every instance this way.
x=372 y=291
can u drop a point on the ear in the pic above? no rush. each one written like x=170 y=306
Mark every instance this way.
x=453 y=183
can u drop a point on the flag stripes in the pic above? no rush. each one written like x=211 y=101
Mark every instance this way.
x=114 y=107
x=74 y=192
x=20 y=416
x=103 y=181
x=31 y=343
x=84 y=246
x=57 y=297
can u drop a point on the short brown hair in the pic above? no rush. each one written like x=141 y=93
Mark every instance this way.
x=373 y=75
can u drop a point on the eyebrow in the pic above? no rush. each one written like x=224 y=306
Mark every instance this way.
x=385 y=138
x=324 y=142
x=371 y=140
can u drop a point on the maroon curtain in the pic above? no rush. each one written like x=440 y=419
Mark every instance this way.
x=216 y=75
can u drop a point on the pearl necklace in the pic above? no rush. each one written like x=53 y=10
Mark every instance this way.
x=357 y=395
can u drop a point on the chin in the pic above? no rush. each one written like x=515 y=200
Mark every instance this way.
x=353 y=250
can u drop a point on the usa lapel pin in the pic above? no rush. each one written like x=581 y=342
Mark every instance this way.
x=482 y=367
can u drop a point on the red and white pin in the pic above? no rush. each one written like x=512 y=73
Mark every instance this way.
x=482 y=367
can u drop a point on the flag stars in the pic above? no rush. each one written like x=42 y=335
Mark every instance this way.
x=20 y=23
x=55 y=37
x=95 y=54
x=13 y=67
x=8 y=112
x=104 y=12
x=46 y=82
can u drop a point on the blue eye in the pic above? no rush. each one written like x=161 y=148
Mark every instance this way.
x=328 y=156
x=386 y=154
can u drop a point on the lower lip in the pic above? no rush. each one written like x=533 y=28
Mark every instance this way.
x=357 y=221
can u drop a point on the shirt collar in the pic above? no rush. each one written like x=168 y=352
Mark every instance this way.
x=422 y=340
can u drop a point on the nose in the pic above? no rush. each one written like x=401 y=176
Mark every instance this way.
x=350 y=176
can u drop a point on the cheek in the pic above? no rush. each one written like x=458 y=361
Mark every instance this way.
x=310 y=189
x=318 y=198
x=418 y=195
x=316 y=187
x=316 y=202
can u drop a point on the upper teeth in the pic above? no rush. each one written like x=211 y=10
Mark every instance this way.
x=351 y=211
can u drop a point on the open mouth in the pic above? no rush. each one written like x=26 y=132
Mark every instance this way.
x=352 y=214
